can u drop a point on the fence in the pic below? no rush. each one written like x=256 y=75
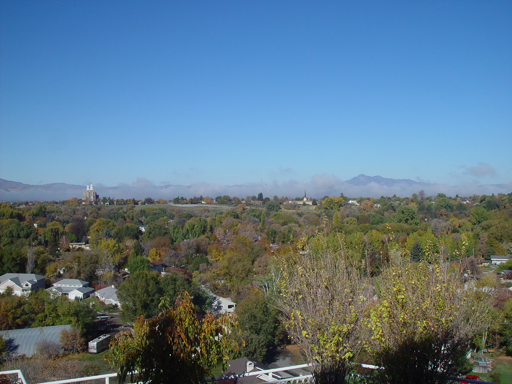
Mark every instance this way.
x=270 y=376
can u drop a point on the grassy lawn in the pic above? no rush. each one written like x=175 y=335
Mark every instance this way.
x=212 y=209
x=98 y=306
x=217 y=371
x=96 y=364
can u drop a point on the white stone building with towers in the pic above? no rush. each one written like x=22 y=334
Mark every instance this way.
x=89 y=196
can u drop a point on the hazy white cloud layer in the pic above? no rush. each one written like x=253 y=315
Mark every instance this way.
x=482 y=169
x=319 y=186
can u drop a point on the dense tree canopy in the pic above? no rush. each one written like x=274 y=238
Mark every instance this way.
x=230 y=245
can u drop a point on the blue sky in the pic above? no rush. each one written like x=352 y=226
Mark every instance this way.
x=228 y=93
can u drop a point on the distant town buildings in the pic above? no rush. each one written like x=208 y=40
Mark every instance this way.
x=89 y=196
x=305 y=200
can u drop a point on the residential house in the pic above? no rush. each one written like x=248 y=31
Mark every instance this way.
x=78 y=246
x=21 y=283
x=506 y=275
x=498 y=259
x=179 y=271
x=158 y=266
x=244 y=366
x=220 y=305
x=108 y=296
x=223 y=305
x=72 y=289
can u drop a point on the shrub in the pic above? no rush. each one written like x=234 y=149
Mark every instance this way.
x=423 y=322
x=174 y=347
x=322 y=300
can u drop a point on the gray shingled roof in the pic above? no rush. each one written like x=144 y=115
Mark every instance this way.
x=84 y=289
x=71 y=283
x=23 y=341
x=239 y=366
x=108 y=293
x=21 y=277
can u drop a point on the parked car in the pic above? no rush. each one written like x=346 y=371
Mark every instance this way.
x=470 y=377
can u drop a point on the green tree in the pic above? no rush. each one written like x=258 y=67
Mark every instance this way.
x=272 y=206
x=336 y=219
x=174 y=347
x=139 y=295
x=51 y=236
x=138 y=263
x=173 y=284
x=223 y=199
x=195 y=227
x=416 y=252
x=79 y=315
x=406 y=215
x=506 y=327
x=156 y=229
x=7 y=212
x=137 y=249
x=478 y=215
x=3 y=347
x=272 y=234
x=11 y=311
x=260 y=327
x=333 y=203
x=489 y=202
x=111 y=252
x=12 y=260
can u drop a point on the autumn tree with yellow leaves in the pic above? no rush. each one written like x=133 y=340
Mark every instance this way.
x=423 y=322
x=322 y=298
x=176 y=346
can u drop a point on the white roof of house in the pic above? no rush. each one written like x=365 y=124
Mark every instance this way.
x=71 y=283
x=68 y=290
x=107 y=293
x=499 y=257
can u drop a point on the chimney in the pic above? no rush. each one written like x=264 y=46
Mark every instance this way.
x=250 y=366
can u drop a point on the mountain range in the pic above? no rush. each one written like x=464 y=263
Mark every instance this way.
x=319 y=186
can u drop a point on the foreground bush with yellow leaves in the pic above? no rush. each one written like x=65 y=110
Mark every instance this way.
x=423 y=322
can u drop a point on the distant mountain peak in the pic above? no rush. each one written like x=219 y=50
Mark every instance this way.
x=363 y=180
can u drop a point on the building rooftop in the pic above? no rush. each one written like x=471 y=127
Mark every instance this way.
x=20 y=278
x=23 y=341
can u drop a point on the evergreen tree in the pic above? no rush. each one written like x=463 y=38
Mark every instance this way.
x=416 y=252
x=137 y=249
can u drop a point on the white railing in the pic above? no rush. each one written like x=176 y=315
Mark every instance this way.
x=269 y=374
x=106 y=377
x=17 y=372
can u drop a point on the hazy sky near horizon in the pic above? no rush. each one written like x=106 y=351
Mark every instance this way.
x=227 y=92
